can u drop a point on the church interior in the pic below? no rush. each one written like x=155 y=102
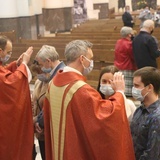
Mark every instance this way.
x=58 y=26
x=43 y=22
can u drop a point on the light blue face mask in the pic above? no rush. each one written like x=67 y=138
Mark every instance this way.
x=5 y=59
x=87 y=70
x=137 y=94
x=46 y=70
x=42 y=77
x=106 y=89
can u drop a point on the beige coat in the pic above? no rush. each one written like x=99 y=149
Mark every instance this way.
x=37 y=101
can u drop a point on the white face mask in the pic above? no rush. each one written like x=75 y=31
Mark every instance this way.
x=88 y=69
x=5 y=59
x=137 y=94
x=107 y=90
x=46 y=70
x=128 y=10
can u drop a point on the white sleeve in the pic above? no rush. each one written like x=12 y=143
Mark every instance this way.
x=29 y=73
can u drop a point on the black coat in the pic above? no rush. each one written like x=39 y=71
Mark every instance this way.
x=145 y=50
x=127 y=19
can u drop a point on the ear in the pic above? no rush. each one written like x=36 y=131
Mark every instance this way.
x=48 y=60
x=1 y=51
x=81 y=58
x=150 y=87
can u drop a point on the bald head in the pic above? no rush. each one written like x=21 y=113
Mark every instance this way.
x=148 y=25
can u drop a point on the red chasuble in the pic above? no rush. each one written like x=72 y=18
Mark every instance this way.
x=87 y=127
x=16 y=124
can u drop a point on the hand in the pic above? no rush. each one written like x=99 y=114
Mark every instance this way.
x=27 y=55
x=38 y=128
x=118 y=83
x=19 y=60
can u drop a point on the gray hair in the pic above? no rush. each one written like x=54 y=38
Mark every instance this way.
x=76 y=48
x=48 y=52
x=148 y=23
x=125 y=31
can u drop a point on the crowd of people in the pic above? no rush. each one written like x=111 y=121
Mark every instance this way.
x=145 y=14
x=71 y=119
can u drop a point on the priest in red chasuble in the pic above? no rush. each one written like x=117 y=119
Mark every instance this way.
x=16 y=126
x=79 y=124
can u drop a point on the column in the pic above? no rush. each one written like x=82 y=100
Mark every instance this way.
x=8 y=8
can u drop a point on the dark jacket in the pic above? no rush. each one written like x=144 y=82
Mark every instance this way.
x=145 y=50
x=127 y=19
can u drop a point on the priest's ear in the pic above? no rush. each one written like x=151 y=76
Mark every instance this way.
x=1 y=50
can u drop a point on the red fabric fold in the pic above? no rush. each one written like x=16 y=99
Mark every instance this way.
x=94 y=129
x=16 y=124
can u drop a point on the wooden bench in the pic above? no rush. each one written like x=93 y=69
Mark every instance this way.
x=11 y=35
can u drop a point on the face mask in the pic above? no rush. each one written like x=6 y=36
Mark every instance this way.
x=151 y=31
x=5 y=59
x=46 y=70
x=42 y=77
x=128 y=11
x=107 y=90
x=89 y=69
x=137 y=94
x=132 y=37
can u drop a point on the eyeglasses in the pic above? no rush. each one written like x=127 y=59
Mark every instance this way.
x=35 y=62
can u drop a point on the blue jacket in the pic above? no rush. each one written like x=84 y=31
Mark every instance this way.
x=40 y=118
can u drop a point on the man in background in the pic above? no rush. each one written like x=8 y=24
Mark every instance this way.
x=145 y=48
x=127 y=18
x=145 y=14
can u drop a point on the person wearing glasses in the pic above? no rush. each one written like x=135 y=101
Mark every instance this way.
x=48 y=61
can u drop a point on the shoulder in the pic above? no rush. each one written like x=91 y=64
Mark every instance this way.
x=156 y=113
x=87 y=89
x=139 y=109
x=131 y=104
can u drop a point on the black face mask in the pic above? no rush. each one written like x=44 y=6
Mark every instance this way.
x=151 y=31
x=132 y=37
